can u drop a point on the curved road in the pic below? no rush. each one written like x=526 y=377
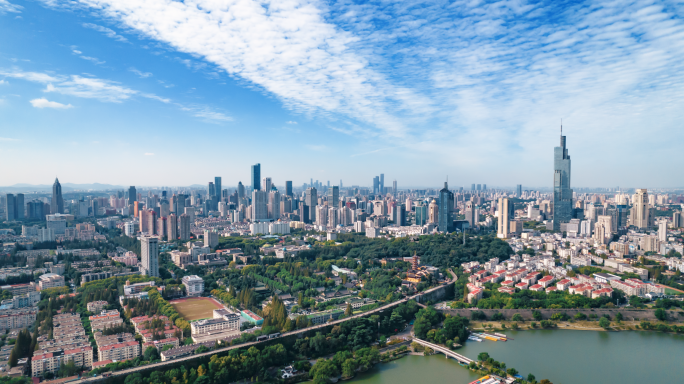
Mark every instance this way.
x=160 y=365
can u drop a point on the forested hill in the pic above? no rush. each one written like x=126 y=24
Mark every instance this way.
x=438 y=250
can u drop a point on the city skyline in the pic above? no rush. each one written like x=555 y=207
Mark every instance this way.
x=478 y=97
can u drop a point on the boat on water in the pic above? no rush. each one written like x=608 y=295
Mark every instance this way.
x=473 y=338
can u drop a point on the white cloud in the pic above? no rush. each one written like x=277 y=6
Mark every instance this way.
x=108 y=32
x=30 y=76
x=207 y=114
x=94 y=60
x=3 y=82
x=6 y=6
x=92 y=88
x=291 y=122
x=140 y=73
x=45 y=103
x=149 y=154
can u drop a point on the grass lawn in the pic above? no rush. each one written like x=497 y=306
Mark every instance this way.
x=669 y=291
x=196 y=308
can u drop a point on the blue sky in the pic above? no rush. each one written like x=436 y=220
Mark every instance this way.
x=162 y=92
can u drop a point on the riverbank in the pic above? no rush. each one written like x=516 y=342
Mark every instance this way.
x=565 y=357
x=578 y=325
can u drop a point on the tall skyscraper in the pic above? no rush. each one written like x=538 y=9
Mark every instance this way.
x=433 y=212
x=217 y=187
x=57 y=203
x=132 y=194
x=640 y=215
x=421 y=213
x=382 y=183
x=394 y=187
x=184 y=231
x=506 y=214
x=446 y=206
x=267 y=184
x=473 y=187
x=288 y=188
x=19 y=206
x=562 y=194
x=10 y=207
x=259 y=206
x=518 y=190
x=211 y=190
x=311 y=201
x=256 y=176
x=240 y=191
x=149 y=247
x=334 y=196
x=376 y=185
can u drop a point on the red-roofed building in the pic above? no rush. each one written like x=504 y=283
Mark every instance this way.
x=99 y=364
x=508 y=290
x=546 y=281
x=474 y=295
x=522 y=286
x=119 y=352
x=508 y=283
x=536 y=288
x=581 y=289
x=564 y=284
x=551 y=289
x=605 y=292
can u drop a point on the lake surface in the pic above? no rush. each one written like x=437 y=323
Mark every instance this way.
x=562 y=356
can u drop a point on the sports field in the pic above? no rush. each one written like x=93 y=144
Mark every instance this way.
x=196 y=308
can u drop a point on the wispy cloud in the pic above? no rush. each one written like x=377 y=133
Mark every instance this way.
x=7 y=139
x=291 y=122
x=2 y=82
x=6 y=6
x=45 y=103
x=108 y=32
x=109 y=91
x=207 y=114
x=140 y=73
x=92 y=88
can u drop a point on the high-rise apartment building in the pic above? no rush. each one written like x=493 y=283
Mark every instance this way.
x=274 y=205
x=518 y=190
x=394 y=188
x=382 y=183
x=421 y=217
x=149 y=249
x=172 y=227
x=256 y=176
x=506 y=214
x=640 y=215
x=446 y=206
x=57 y=202
x=288 y=188
x=184 y=230
x=562 y=193
x=662 y=231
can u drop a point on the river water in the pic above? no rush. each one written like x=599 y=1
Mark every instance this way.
x=562 y=356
